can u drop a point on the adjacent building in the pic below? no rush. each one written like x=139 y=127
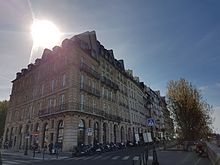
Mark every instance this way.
x=79 y=93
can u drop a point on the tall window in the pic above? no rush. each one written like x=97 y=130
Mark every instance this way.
x=42 y=89
x=81 y=132
x=60 y=132
x=52 y=85
x=96 y=132
x=45 y=135
x=64 y=80
x=81 y=81
x=93 y=105
x=62 y=98
x=81 y=102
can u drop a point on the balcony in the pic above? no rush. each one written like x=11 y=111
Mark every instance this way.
x=70 y=107
x=109 y=83
x=90 y=90
x=84 y=67
x=111 y=117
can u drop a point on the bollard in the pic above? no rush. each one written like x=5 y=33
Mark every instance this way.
x=0 y=158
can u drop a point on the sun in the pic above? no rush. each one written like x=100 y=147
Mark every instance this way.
x=45 y=34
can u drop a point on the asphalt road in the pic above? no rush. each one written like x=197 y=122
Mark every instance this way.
x=115 y=158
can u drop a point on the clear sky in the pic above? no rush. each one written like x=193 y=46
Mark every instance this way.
x=159 y=40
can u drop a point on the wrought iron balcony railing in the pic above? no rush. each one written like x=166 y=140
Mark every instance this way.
x=89 y=70
x=109 y=83
x=90 y=90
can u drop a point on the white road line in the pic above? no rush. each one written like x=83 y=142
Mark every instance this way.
x=9 y=162
x=126 y=158
x=136 y=158
x=77 y=158
x=115 y=157
x=90 y=157
x=97 y=157
x=106 y=157
x=150 y=157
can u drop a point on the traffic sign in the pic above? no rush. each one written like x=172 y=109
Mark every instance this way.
x=150 y=122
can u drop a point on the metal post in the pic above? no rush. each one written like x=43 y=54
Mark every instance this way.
x=155 y=160
x=146 y=155
x=34 y=152
x=26 y=147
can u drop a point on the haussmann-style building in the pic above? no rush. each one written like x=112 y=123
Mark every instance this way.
x=79 y=93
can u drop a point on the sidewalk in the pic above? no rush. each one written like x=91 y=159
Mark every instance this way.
x=213 y=153
x=38 y=156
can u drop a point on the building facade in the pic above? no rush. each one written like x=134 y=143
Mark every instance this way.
x=78 y=93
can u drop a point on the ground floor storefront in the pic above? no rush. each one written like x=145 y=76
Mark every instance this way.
x=68 y=131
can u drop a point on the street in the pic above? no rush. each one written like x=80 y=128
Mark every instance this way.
x=116 y=158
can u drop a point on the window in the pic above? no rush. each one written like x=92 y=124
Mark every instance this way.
x=81 y=81
x=93 y=105
x=54 y=103
x=62 y=98
x=52 y=85
x=42 y=89
x=103 y=91
x=64 y=80
x=50 y=103
x=81 y=102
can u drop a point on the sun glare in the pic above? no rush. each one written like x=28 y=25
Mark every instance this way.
x=45 y=34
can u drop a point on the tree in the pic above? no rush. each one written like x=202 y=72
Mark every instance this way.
x=191 y=112
x=3 y=113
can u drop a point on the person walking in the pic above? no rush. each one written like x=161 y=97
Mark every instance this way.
x=50 y=148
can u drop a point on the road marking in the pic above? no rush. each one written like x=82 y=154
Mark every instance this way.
x=136 y=158
x=197 y=161
x=97 y=157
x=9 y=162
x=77 y=158
x=150 y=157
x=106 y=157
x=125 y=158
x=90 y=157
x=115 y=157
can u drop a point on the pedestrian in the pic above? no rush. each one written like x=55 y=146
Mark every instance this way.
x=50 y=148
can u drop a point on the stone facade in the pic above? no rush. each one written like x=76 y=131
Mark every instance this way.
x=77 y=93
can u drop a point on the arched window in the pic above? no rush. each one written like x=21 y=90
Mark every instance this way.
x=45 y=135
x=96 y=132
x=60 y=131
x=122 y=134
x=129 y=134
x=81 y=132
x=104 y=133
x=115 y=133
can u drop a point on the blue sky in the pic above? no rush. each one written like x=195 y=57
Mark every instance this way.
x=159 y=40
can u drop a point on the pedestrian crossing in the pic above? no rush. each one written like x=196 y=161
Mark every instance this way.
x=108 y=157
x=17 y=161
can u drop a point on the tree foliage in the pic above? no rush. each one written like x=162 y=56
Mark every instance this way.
x=191 y=112
x=3 y=112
